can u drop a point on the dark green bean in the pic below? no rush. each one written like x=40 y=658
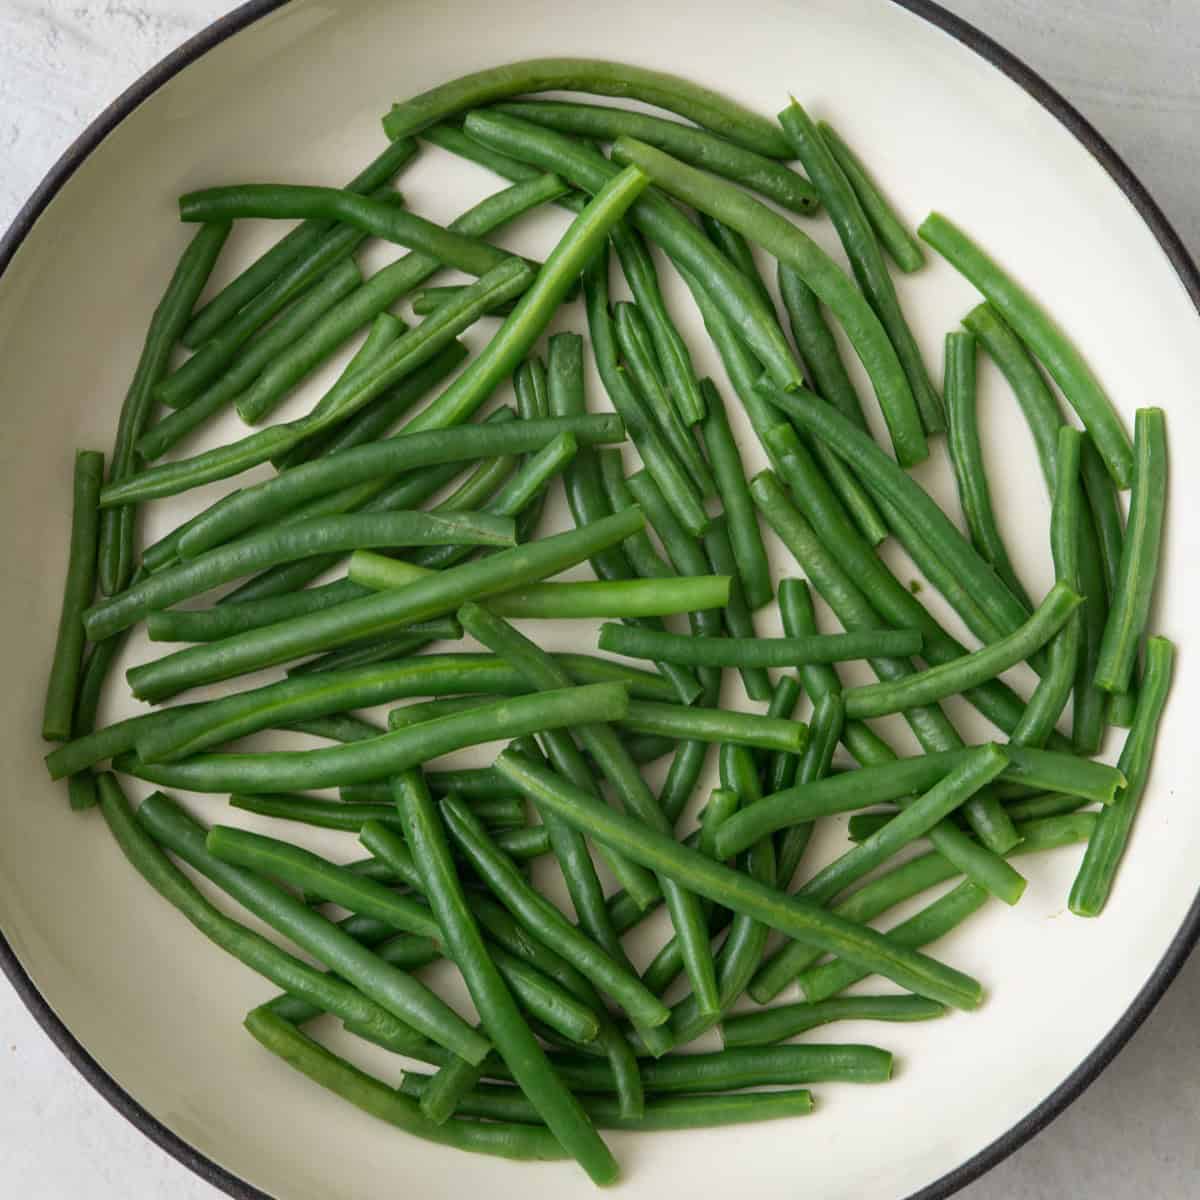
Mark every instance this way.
x=893 y=236
x=753 y=568
x=1042 y=336
x=715 y=725
x=360 y=762
x=738 y=251
x=966 y=455
x=1130 y=607
x=339 y=282
x=798 y=919
x=504 y=1140
x=758 y=652
x=777 y=1024
x=78 y=589
x=431 y=298
x=350 y=818
x=783 y=240
x=695 y=146
x=212 y=316
x=706 y=108
x=115 y=562
x=659 y=220
x=780 y=771
x=386 y=650
x=426 y=835
x=496 y=1102
x=1106 y=847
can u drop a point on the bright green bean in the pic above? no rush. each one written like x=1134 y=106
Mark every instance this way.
x=1129 y=611
x=966 y=455
x=715 y=725
x=59 y=712
x=1106 y=847
x=1035 y=328
x=777 y=1024
x=115 y=563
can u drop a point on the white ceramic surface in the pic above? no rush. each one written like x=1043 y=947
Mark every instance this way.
x=296 y=96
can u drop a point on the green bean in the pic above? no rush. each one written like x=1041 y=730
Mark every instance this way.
x=781 y=768
x=659 y=220
x=1036 y=329
x=430 y=299
x=327 y=992
x=1130 y=608
x=739 y=623
x=426 y=835
x=787 y=243
x=1107 y=845
x=688 y=100
x=214 y=355
x=450 y=137
x=453 y=1080
x=376 y=614
x=715 y=725
x=930 y=725
x=387 y=650
x=966 y=455
x=634 y=342
x=796 y=918
x=893 y=236
x=677 y=486
x=744 y=534
x=1002 y=609
x=287 y=544
x=616 y=765
x=1046 y=804
x=78 y=588
x=115 y=556
x=339 y=282
x=824 y=732
x=211 y=317
x=669 y=347
x=504 y=1140
x=638 y=556
x=545 y=922
x=776 y=1024
x=390 y=988
x=350 y=818
x=358 y=762
x=760 y=652
x=499 y=1103
x=935 y=683
x=738 y=251
x=278 y=201
x=701 y=149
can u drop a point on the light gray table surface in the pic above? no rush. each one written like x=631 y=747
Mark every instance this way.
x=1133 y=68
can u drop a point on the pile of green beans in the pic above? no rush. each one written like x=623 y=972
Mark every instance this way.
x=375 y=538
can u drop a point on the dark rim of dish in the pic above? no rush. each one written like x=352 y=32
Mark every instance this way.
x=1181 y=945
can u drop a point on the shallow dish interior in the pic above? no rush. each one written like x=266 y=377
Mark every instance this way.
x=296 y=97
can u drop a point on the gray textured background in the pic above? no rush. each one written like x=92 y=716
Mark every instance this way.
x=1133 y=67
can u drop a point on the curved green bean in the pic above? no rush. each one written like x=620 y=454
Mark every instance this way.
x=706 y=108
x=776 y=1024
x=1129 y=611
x=1036 y=329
